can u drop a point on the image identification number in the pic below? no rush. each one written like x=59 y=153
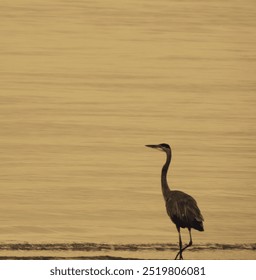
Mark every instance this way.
x=173 y=270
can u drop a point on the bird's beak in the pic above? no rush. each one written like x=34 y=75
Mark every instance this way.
x=152 y=146
x=157 y=147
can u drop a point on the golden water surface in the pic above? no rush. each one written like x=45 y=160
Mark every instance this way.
x=84 y=85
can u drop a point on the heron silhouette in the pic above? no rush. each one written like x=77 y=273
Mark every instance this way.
x=181 y=207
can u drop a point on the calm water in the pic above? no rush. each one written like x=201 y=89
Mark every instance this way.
x=84 y=85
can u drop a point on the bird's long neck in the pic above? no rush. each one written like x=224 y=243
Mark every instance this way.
x=165 y=188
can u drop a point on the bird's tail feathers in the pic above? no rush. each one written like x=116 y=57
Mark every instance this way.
x=198 y=225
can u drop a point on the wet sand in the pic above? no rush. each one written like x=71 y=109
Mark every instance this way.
x=94 y=251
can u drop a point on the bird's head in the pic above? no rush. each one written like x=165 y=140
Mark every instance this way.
x=160 y=147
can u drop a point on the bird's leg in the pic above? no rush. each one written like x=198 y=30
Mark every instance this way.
x=190 y=241
x=180 y=244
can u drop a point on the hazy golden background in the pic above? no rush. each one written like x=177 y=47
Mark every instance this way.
x=84 y=85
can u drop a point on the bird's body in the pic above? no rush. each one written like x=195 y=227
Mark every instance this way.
x=183 y=210
x=181 y=207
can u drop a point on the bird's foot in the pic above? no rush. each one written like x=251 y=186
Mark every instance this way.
x=179 y=254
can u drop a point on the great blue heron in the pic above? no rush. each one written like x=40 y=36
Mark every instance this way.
x=181 y=207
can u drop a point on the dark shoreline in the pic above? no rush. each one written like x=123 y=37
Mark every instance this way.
x=94 y=247
x=104 y=251
x=106 y=257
